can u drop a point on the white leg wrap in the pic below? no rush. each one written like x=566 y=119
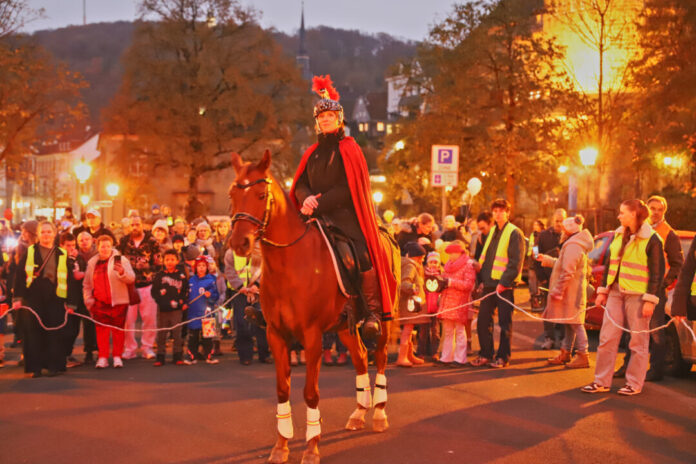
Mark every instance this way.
x=284 y=417
x=380 y=389
x=362 y=390
x=313 y=423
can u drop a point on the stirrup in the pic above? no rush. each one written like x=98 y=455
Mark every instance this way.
x=372 y=327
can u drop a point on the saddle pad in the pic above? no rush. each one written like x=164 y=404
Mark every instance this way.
x=334 y=260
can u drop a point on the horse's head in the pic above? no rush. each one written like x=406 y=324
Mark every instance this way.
x=249 y=202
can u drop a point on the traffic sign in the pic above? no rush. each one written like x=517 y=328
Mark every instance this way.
x=444 y=165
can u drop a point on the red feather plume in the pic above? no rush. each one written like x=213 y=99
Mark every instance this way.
x=323 y=85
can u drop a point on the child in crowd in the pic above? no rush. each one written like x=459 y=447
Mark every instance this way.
x=460 y=276
x=221 y=285
x=203 y=293
x=429 y=334
x=411 y=302
x=170 y=290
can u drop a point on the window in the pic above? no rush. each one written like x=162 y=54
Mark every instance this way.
x=390 y=129
x=380 y=127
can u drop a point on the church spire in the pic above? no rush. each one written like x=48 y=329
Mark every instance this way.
x=302 y=57
x=302 y=51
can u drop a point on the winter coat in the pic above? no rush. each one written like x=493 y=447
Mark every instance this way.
x=432 y=299
x=462 y=280
x=142 y=257
x=569 y=279
x=170 y=290
x=118 y=283
x=412 y=287
x=198 y=286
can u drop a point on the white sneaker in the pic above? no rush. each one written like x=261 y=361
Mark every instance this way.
x=148 y=353
x=102 y=363
x=128 y=355
x=211 y=360
x=118 y=362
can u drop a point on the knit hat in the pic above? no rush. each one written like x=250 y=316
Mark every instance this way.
x=414 y=250
x=161 y=224
x=177 y=238
x=457 y=246
x=573 y=224
x=31 y=226
x=203 y=225
x=433 y=256
x=191 y=252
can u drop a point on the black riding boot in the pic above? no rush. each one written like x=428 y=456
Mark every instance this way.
x=373 y=299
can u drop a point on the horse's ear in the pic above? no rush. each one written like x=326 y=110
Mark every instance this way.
x=236 y=161
x=265 y=162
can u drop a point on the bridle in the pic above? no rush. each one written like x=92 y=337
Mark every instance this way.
x=262 y=224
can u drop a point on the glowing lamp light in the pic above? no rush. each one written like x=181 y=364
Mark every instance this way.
x=112 y=189
x=400 y=145
x=588 y=156
x=288 y=183
x=84 y=199
x=668 y=160
x=563 y=169
x=378 y=197
x=82 y=171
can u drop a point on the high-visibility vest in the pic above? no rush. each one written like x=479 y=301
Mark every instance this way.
x=501 y=253
x=634 y=275
x=531 y=244
x=241 y=265
x=61 y=271
x=693 y=286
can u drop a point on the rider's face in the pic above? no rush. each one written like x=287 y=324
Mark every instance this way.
x=328 y=122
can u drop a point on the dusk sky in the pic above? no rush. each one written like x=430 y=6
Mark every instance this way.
x=409 y=19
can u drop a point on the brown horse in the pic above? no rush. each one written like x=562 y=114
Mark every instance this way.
x=300 y=298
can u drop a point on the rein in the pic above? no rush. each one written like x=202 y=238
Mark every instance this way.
x=262 y=224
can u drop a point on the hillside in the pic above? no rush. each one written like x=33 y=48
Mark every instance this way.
x=357 y=61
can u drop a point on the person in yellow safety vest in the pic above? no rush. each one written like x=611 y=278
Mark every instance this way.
x=500 y=267
x=630 y=289
x=42 y=283
x=684 y=300
x=242 y=275
x=674 y=257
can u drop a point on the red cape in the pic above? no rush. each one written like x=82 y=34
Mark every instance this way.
x=359 y=184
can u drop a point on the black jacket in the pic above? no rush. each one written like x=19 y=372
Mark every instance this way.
x=683 y=303
x=548 y=242
x=675 y=258
x=170 y=290
x=42 y=291
x=325 y=174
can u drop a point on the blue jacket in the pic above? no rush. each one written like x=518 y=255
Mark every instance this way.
x=198 y=286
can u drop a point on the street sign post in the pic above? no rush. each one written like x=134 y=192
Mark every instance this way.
x=444 y=170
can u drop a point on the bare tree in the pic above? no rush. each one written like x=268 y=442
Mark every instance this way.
x=14 y=15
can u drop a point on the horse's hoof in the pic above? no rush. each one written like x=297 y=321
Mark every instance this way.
x=380 y=425
x=279 y=455
x=355 y=424
x=309 y=457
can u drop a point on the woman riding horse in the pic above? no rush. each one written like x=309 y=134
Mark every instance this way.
x=332 y=182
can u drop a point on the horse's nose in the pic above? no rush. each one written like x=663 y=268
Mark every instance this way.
x=242 y=247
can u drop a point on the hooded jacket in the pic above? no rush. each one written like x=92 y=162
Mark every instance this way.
x=569 y=279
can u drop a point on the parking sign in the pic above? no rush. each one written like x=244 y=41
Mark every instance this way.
x=444 y=165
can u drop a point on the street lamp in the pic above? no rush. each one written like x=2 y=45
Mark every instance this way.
x=84 y=199
x=588 y=156
x=563 y=169
x=378 y=197
x=400 y=145
x=82 y=171
x=112 y=189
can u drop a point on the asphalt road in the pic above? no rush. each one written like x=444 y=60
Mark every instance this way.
x=224 y=413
